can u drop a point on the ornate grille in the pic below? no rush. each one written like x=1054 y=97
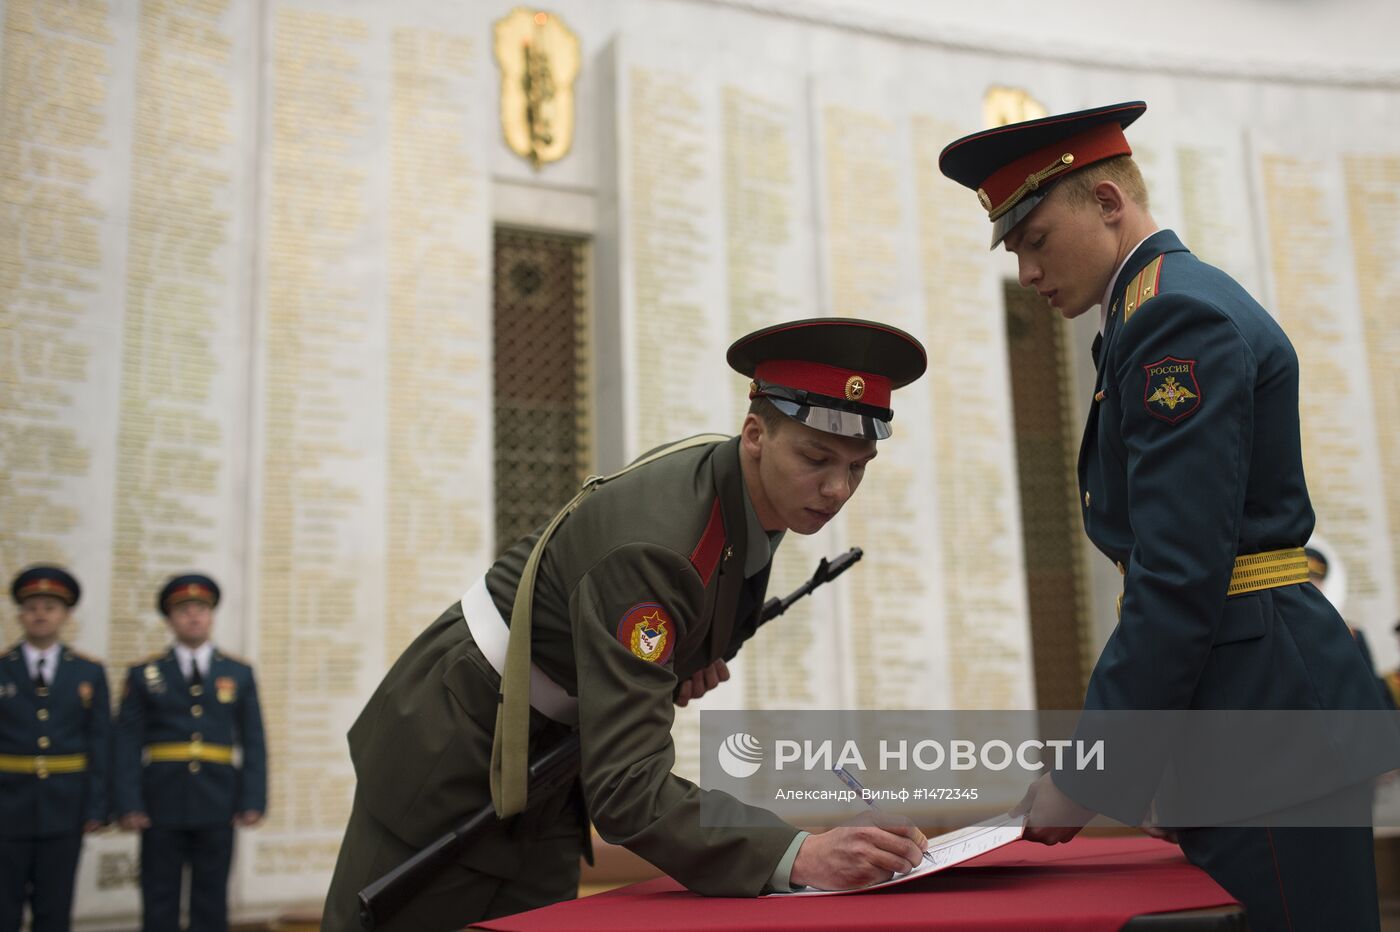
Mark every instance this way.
x=543 y=435
x=1047 y=444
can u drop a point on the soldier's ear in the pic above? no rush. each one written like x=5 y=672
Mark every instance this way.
x=1111 y=201
x=752 y=435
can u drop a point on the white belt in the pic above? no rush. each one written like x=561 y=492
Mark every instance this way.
x=492 y=635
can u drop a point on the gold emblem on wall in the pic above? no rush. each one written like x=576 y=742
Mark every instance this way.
x=1003 y=105
x=539 y=59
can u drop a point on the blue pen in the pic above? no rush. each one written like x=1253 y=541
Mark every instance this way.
x=847 y=778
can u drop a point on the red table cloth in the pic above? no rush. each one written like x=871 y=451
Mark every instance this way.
x=1088 y=884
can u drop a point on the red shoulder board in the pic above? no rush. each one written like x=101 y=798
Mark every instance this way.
x=705 y=556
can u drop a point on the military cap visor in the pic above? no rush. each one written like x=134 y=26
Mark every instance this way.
x=1012 y=168
x=188 y=588
x=51 y=581
x=834 y=374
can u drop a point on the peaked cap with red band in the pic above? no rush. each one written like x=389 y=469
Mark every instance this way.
x=831 y=373
x=191 y=587
x=1013 y=167
x=46 y=580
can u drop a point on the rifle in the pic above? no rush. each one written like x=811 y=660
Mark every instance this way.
x=387 y=895
x=550 y=771
x=827 y=570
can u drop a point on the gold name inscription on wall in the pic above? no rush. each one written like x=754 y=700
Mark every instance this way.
x=539 y=59
x=1004 y=105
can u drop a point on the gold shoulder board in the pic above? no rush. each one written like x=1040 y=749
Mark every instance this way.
x=1142 y=288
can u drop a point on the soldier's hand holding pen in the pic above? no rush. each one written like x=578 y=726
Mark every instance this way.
x=874 y=847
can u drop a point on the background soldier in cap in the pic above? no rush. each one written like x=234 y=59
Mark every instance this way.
x=1328 y=573
x=656 y=577
x=182 y=714
x=1392 y=679
x=54 y=743
x=1191 y=479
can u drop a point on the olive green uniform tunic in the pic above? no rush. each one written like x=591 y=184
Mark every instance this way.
x=641 y=587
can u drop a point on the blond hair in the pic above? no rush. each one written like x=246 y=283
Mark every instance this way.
x=1121 y=170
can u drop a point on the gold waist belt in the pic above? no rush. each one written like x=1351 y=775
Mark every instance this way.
x=1269 y=570
x=43 y=765
x=178 y=752
x=1258 y=571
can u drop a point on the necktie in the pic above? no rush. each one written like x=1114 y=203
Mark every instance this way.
x=1094 y=350
x=39 y=681
x=196 y=681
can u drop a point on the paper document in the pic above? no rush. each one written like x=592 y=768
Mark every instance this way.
x=944 y=851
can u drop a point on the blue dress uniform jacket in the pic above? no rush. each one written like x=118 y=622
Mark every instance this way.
x=1192 y=457
x=186 y=742
x=49 y=733
x=55 y=744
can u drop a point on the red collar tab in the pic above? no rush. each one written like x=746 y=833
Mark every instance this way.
x=705 y=556
x=865 y=388
x=1006 y=186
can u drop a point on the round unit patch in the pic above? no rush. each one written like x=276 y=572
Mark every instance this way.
x=648 y=632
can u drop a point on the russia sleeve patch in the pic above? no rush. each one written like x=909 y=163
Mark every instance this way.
x=648 y=632
x=1172 y=392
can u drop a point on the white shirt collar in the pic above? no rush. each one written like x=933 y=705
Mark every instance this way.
x=201 y=655
x=50 y=655
x=1108 y=292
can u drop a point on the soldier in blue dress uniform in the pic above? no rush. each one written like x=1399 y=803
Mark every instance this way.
x=55 y=727
x=1191 y=481
x=184 y=712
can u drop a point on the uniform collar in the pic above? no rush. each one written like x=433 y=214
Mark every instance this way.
x=1105 y=304
x=203 y=655
x=730 y=489
x=32 y=655
x=760 y=542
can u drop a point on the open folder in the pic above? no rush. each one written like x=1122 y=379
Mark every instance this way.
x=944 y=851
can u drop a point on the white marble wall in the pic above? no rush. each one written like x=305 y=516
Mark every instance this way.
x=244 y=305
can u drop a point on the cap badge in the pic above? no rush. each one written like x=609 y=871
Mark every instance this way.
x=855 y=388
